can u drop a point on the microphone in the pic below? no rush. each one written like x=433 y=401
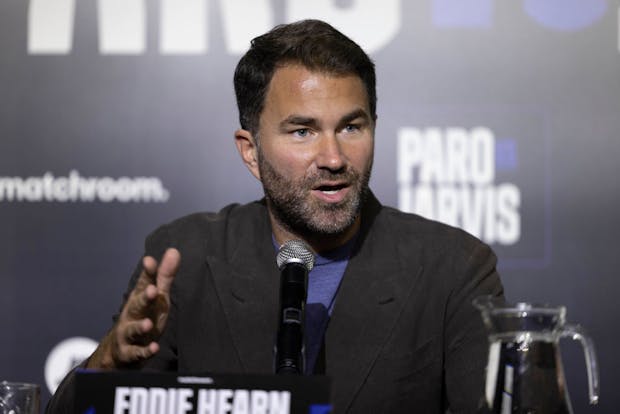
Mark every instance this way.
x=294 y=260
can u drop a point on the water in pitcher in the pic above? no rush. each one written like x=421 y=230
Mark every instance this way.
x=524 y=371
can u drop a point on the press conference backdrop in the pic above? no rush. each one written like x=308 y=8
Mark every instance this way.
x=501 y=117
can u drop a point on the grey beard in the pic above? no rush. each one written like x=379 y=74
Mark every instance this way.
x=291 y=207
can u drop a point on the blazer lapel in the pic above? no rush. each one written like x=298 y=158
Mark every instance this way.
x=374 y=290
x=247 y=284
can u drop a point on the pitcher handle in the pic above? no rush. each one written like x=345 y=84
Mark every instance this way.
x=576 y=332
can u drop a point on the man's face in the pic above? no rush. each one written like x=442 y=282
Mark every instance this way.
x=315 y=150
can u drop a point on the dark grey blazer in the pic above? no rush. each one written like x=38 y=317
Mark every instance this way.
x=403 y=338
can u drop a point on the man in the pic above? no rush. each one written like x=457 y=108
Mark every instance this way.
x=390 y=313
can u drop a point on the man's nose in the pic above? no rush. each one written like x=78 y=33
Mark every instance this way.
x=330 y=155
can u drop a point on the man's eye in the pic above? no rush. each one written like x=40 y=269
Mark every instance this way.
x=351 y=128
x=303 y=132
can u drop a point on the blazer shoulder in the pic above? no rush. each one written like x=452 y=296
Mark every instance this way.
x=200 y=222
x=432 y=234
x=199 y=228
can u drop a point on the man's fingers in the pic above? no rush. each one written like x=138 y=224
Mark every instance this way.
x=168 y=269
x=139 y=301
x=135 y=331
x=132 y=353
x=161 y=275
x=148 y=274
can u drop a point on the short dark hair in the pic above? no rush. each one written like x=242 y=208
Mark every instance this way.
x=311 y=43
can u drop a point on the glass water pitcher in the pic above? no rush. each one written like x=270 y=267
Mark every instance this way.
x=524 y=371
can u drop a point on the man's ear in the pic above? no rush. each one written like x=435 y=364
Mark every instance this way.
x=248 y=149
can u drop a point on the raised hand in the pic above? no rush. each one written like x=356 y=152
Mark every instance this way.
x=134 y=336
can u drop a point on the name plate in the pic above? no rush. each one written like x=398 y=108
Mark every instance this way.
x=132 y=392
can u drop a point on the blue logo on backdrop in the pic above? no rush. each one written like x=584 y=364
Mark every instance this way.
x=463 y=13
x=506 y=155
x=566 y=14
x=562 y=15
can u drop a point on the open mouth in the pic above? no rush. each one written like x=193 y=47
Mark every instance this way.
x=331 y=189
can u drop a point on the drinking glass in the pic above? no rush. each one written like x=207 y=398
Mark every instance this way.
x=19 y=398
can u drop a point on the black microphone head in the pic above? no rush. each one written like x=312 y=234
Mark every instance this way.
x=295 y=251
